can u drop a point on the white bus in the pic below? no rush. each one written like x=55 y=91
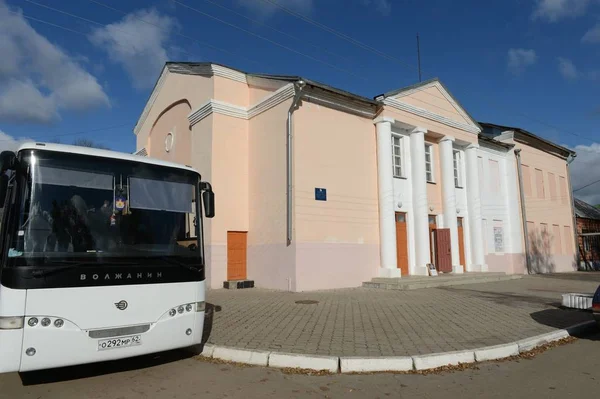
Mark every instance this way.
x=102 y=256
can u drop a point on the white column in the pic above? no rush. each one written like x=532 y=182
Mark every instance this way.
x=420 y=205
x=449 y=198
x=385 y=182
x=474 y=205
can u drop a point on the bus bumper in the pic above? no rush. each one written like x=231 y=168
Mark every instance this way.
x=50 y=347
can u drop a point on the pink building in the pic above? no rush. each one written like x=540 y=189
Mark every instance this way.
x=319 y=188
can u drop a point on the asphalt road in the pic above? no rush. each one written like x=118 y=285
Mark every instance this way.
x=566 y=371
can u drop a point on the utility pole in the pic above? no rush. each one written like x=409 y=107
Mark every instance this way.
x=419 y=56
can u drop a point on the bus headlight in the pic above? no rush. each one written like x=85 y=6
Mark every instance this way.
x=11 y=322
x=180 y=309
x=58 y=323
x=200 y=306
x=188 y=307
x=32 y=322
x=45 y=322
x=172 y=312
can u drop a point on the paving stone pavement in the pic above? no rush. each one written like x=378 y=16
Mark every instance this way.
x=373 y=322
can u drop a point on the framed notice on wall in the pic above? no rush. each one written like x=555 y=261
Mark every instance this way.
x=498 y=239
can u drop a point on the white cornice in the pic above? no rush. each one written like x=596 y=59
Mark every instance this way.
x=394 y=103
x=159 y=84
x=223 y=72
x=272 y=100
x=220 y=107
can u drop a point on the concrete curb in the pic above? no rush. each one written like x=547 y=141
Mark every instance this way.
x=496 y=352
x=357 y=364
x=435 y=360
x=310 y=362
x=255 y=358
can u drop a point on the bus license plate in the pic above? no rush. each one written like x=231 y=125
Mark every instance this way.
x=121 y=342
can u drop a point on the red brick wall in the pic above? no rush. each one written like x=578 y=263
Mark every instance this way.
x=590 y=249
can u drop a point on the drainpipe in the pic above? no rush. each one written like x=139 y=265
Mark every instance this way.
x=298 y=86
x=570 y=159
x=523 y=213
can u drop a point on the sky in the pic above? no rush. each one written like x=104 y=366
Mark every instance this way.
x=85 y=68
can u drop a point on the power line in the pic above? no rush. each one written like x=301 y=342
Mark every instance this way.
x=384 y=55
x=587 y=185
x=274 y=29
x=177 y=33
x=265 y=39
x=298 y=15
x=50 y=23
x=121 y=30
x=337 y=33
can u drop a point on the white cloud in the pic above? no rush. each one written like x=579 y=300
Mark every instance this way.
x=592 y=35
x=519 y=59
x=138 y=43
x=8 y=142
x=266 y=8
x=584 y=170
x=37 y=78
x=555 y=10
x=384 y=7
x=567 y=69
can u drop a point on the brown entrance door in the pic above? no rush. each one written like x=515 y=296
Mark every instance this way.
x=236 y=255
x=443 y=250
x=461 y=242
x=401 y=243
x=432 y=226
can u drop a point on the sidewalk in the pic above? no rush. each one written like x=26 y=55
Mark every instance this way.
x=373 y=322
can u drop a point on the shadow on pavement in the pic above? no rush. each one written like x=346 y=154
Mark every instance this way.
x=121 y=365
x=564 y=318
x=505 y=298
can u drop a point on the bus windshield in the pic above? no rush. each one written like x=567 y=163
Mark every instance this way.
x=77 y=206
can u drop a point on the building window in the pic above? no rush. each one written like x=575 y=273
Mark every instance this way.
x=429 y=162
x=397 y=156
x=456 y=160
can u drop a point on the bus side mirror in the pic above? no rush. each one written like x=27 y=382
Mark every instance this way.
x=208 y=197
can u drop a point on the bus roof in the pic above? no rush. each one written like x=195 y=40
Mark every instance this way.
x=32 y=145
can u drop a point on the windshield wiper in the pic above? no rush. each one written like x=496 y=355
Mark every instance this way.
x=180 y=264
x=68 y=265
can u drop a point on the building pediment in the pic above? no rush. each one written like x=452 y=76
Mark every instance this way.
x=431 y=100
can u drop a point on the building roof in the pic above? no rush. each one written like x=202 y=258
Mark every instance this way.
x=585 y=210
x=199 y=67
x=423 y=84
x=526 y=133
x=74 y=149
x=488 y=140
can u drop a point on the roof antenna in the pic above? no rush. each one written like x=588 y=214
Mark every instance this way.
x=419 y=55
